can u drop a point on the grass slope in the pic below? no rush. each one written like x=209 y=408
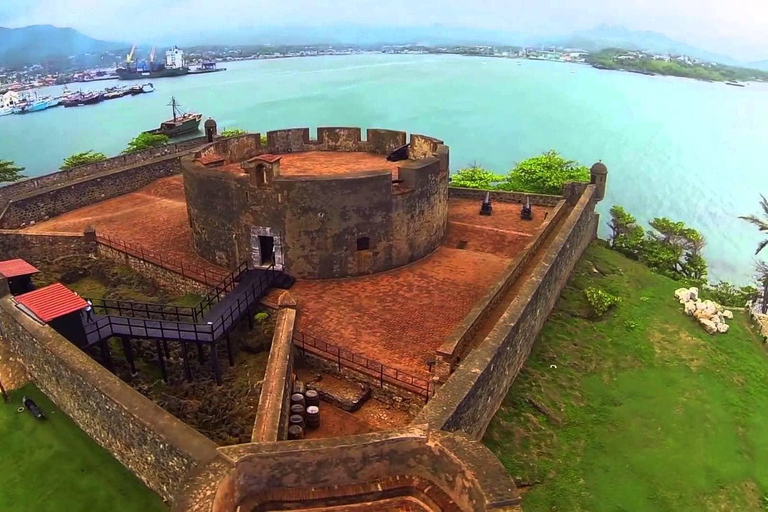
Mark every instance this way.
x=656 y=417
x=51 y=465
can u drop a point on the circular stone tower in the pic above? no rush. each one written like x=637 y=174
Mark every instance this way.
x=326 y=208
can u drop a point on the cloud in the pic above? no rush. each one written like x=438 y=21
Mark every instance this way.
x=735 y=26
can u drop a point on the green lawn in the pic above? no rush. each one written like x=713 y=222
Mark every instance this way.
x=51 y=465
x=658 y=417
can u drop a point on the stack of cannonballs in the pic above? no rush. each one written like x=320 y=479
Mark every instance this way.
x=710 y=315
x=305 y=413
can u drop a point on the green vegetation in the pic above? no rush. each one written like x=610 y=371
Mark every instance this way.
x=600 y=301
x=10 y=171
x=543 y=174
x=701 y=71
x=264 y=140
x=672 y=248
x=233 y=132
x=729 y=295
x=640 y=410
x=145 y=141
x=761 y=224
x=52 y=465
x=87 y=157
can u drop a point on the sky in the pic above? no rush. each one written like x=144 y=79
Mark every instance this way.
x=733 y=27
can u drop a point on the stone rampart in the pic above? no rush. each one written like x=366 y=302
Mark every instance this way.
x=271 y=422
x=42 y=204
x=503 y=196
x=28 y=185
x=151 y=443
x=44 y=247
x=471 y=396
x=454 y=347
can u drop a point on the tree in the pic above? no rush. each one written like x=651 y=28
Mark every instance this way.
x=10 y=171
x=544 y=174
x=475 y=177
x=762 y=224
x=87 y=157
x=675 y=250
x=233 y=132
x=626 y=236
x=145 y=141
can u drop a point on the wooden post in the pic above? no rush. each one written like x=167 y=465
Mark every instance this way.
x=215 y=362
x=166 y=349
x=161 y=360
x=230 y=355
x=129 y=354
x=200 y=354
x=106 y=357
x=185 y=356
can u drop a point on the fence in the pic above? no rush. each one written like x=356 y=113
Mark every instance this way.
x=144 y=310
x=344 y=358
x=199 y=273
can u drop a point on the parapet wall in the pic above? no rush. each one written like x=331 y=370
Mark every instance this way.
x=26 y=186
x=469 y=399
x=504 y=197
x=151 y=443
x=42 y=204
x=445 y=470
x=44 y=247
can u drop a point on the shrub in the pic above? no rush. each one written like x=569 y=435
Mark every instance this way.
x=261 y=317
x=10 y=171
x=475 y=177
x=728 y=295
x=544 y=174
x=145 y=141
x=600 y=301
x=233 y=132
x=630 y=324
x=86 y=157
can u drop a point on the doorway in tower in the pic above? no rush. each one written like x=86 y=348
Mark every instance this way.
x=266 y=247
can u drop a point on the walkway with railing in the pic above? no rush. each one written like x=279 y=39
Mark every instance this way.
x=217 y=314
x=376 y=372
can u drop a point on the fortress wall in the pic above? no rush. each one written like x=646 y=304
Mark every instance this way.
x=290 y=140
x=384 y=142
x=340 y=139
x=39 y=248
x=151 y=443
x=40 y=205
x=423 y=146
x=324 y=217
x=504 y=197
x=452 y=350
x=234 y=149
x=471 y=396
x=444 y=470
x=215 y=203
x=274 y=409
x=420 y=215
x=26 y=186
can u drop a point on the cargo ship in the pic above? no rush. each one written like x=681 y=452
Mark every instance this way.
x=174 y=65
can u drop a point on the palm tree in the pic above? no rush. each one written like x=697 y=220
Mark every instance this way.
x=762 y=224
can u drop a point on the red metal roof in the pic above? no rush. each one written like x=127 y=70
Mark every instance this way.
x=51 y=302
x=266 y=157
x=16 y=268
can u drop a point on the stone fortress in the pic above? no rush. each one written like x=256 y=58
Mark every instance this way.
x=393 y=265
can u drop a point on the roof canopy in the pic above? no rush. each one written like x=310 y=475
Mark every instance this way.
x=51 y=302
x=16 y=268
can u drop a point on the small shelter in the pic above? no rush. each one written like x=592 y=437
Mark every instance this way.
x=59 y=307
x=19 y=275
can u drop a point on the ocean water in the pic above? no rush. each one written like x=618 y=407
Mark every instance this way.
x=688 y=150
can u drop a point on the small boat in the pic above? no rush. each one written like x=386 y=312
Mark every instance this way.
x=6 y=111
x=181 y=124
x=79 y=99
x=141 y=89
x=734 y=84
x=39 y=105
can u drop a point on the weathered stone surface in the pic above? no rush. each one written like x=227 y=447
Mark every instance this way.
x=471 y=396
x=37 y=248
x=722 y=328
x=346 y=395
x=690 y=308
x=727 y=314
x=709 y=325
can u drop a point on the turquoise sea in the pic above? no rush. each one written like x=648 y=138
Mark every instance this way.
x=674 y=147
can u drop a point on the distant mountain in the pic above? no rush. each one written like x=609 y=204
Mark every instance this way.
x=762 y=65
x=605 y=36
x=33 y=44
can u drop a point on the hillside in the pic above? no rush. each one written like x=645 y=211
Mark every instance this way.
x=640 y=410
x=34 y=44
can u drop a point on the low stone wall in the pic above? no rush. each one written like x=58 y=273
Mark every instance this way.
x=151 y=443
x=459 y=474
x=503 y=197
x=452 y=350
x=44 y=247
x=162 y=276
x=275 y=399
x=26 y=186
x=471 y=396
x=50 y=202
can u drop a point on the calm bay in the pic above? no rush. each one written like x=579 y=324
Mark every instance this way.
x=674 y=147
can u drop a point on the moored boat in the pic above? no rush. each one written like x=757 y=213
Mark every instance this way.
x=181 y=124
x=79 y=99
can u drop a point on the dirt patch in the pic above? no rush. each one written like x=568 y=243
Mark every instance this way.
x=337 y=423
x=678 y=344
x=746 y=494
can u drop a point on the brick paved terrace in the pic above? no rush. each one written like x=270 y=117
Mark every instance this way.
x=398 y=318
